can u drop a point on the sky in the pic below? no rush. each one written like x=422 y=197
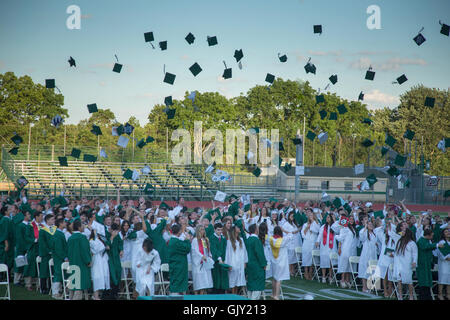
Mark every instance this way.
x=35 y=41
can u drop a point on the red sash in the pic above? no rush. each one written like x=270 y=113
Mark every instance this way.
x=200 y=247
x=35 y=229
x=325 y=232
x=276 y=236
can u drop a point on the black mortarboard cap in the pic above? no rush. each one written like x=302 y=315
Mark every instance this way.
x=149 y=37
x=75 y=153
x=120 y=129
x=96 y=130
x=238 y=55
x=445 y=29
x=361 y=96
x=429 y=102
x=169 y=78
x=256 y=172
x=370 y=75
x=92 y=107
x=310 y=68
x=141 y=143
x=333 y=116
x=149 y=189
x=63 y=161
x=402 y=79
x=190 y=38
x=409 y=134
x=311 y=135
x=50 y=83
x=393 y=171
x=227 y=73
x=171 y=113
x=128 y=128
x=89 y=158
x=168 y=101
x=333 y=79
x=128 y=174
x=149 y=139
x=163 y=45
x=322 y=114
x=341 y=109
x=282 y=58
x=195 y=69
x=367 y=143
x=419 y=39
x=320 y=98
x=72 y=62
x=317 y=28
x=17 y=139
x=400 y=160
x=14 y=150
x=390 y=141
x=212 y=41
x=270 y=78
x=117 y=67
x=297 y=141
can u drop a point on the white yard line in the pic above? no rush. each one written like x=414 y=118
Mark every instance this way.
x=308 y=292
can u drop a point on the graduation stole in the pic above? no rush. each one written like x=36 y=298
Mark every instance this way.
x=201 y=246
x=35 y=229
x=275 y=245
x=50 y=230
x=445 y=250
x=331 y=240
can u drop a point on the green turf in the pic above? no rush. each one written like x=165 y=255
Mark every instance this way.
x=20 y=293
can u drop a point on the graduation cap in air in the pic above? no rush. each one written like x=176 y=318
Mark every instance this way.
x=148 y=36
x=409 y=134
x=361 y=96
x=50 y=83
x=254 y=130
x=192 y=96
x=168 y=77
x=287 y=167
x=445 y=30
x=195 y=69
x=168 y=101
x=322 y=114
x=120 y=130
x=92 y=108
x=371 y=179
x=227 y=73
x=282 y=58
x=256 y=172
x=89 y=158
x=384 y=150
x=429 y=102
x=238 y=55
x=447 y=193
x=190 y=38
x=71 y=62
x=400 y=160
x=96 y=130
x=103 y=153
x=280 y=145
x=333 y=116
x=75 y=153
x=320 y=98
x=323 y=137
x=123 y=141
x=367 y=143
x=63 y=161
x=163 y=45
x=146 y=170
x=128 y=174
x=378 y=214
x=148 y=189
x=14 y=151
x=149 y=139
x=170 y=113
x=17 y=139
x=141 y=143
x=317 y=28
x=211 y=167
x=117 y=66
x=310 y=135
x=333 y=79
x=370 y=75
x=297 y=141
x=128 y=128
x=212 y=41
x=309 y=67
x=401 y=79
x=419 y=39
x=57 y=121
x=393 y=171
x=390 y=140
x=367 y=121
x=341 y=109
x=270 y=78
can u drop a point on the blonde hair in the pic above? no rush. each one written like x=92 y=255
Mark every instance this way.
x=204 y=237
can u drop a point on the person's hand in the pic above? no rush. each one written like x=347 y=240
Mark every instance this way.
x=138 y=265
x=339 y=251
x=204 y=258
x=440 y=245
x=121 y=254
x=413 y=265
x=317 y=245
x=148 y=271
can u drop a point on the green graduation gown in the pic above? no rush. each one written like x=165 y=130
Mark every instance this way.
x=424 y=259
x=256 y=275
x=12 y=243
x=219 y=274
x=4 y=235
x=300 y=218
x=23 y=241
x=79 y=254
x=115 y=266
x=32 y=252
x=158 y=241
x=59 y=253
x=178 y=264
x=45 y=250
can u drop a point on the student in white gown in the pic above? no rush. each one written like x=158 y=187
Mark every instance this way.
x=273 y=222
x=100 y=266
x=279 y=262
x=202 y=262
x=346 y=248
x=125 y=231
x=236 y=257
x=369 y=252
x=310 y=230
x=405 y=260
x=444 y=265
x=140 y=231
x=326 y=240
x=290 y=226
x=148 y=263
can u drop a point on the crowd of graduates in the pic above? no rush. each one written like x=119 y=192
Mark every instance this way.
x=233 y=247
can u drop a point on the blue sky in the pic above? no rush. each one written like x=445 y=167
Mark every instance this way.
x=35 y=41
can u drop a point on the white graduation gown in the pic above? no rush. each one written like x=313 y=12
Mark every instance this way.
x=201 y=275
x=295 y=241
x=136 y=248
x=237 y=260
x=149 y=264
x=127 y=246
x=100 y=266
x=403 y=263
x=368 y=252
x=325 y=249
x=348 y=248
x=443 y=267
x=280 y=265
x=309 y=241
x=385 y=260
x=268 y=255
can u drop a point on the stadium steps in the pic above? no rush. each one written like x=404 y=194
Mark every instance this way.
x=108 y=176
x=179 y=179
x=81 y=173
x=196 y=173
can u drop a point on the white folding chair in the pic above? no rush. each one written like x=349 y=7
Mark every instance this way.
x=316 y=264
x=434 y=283
x=334 y=267
x=298 y=254
x=165 y=283
x=354 y=261
x=394 y=281
x=64 y=269
x=50 y=269
x=4 y=269
x=127 y=281
x=38 y=264
x=159 y=283
x=190 y=281
x=373 y=265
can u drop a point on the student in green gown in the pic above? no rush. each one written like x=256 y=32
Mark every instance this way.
x=156 y=235
x=4 y=236
x=11 y=239
x=424 y=260
x=178 y=250
x=59 y=255
x=115 y=252
x=256 y=266
x=79 y=255
x=32 y=232
x=22 y=242
x=218 y=250
x=45 y=251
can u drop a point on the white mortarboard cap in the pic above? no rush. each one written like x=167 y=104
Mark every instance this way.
x=114 y=131
x=323 y=137
x=146 y=170
x=220 y=196
x=123 y=141
x=103 y=153
x=359 y=168
x=368 y=204
x=135 y=175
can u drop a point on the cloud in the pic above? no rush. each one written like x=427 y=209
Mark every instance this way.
x=234 y=80
x=325 y=53
x=396 y=63
x=379 y=97
x=361 y=64
x=144 y=95
x=374 y=53
x=185 y=57
x=102 y=83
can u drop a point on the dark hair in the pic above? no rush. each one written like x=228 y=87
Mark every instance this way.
x=427 y=232
x=115 y=226
x=252 y=228
x=48 y=217
x=262 y=232
x=277 y=231
x=76 y=225
x=147 y=245
x=37 y=214
x=293 y=220
x=176 y=229
x=218 y=225
x=121 y=226
x=403 y=242
x=58 y=222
